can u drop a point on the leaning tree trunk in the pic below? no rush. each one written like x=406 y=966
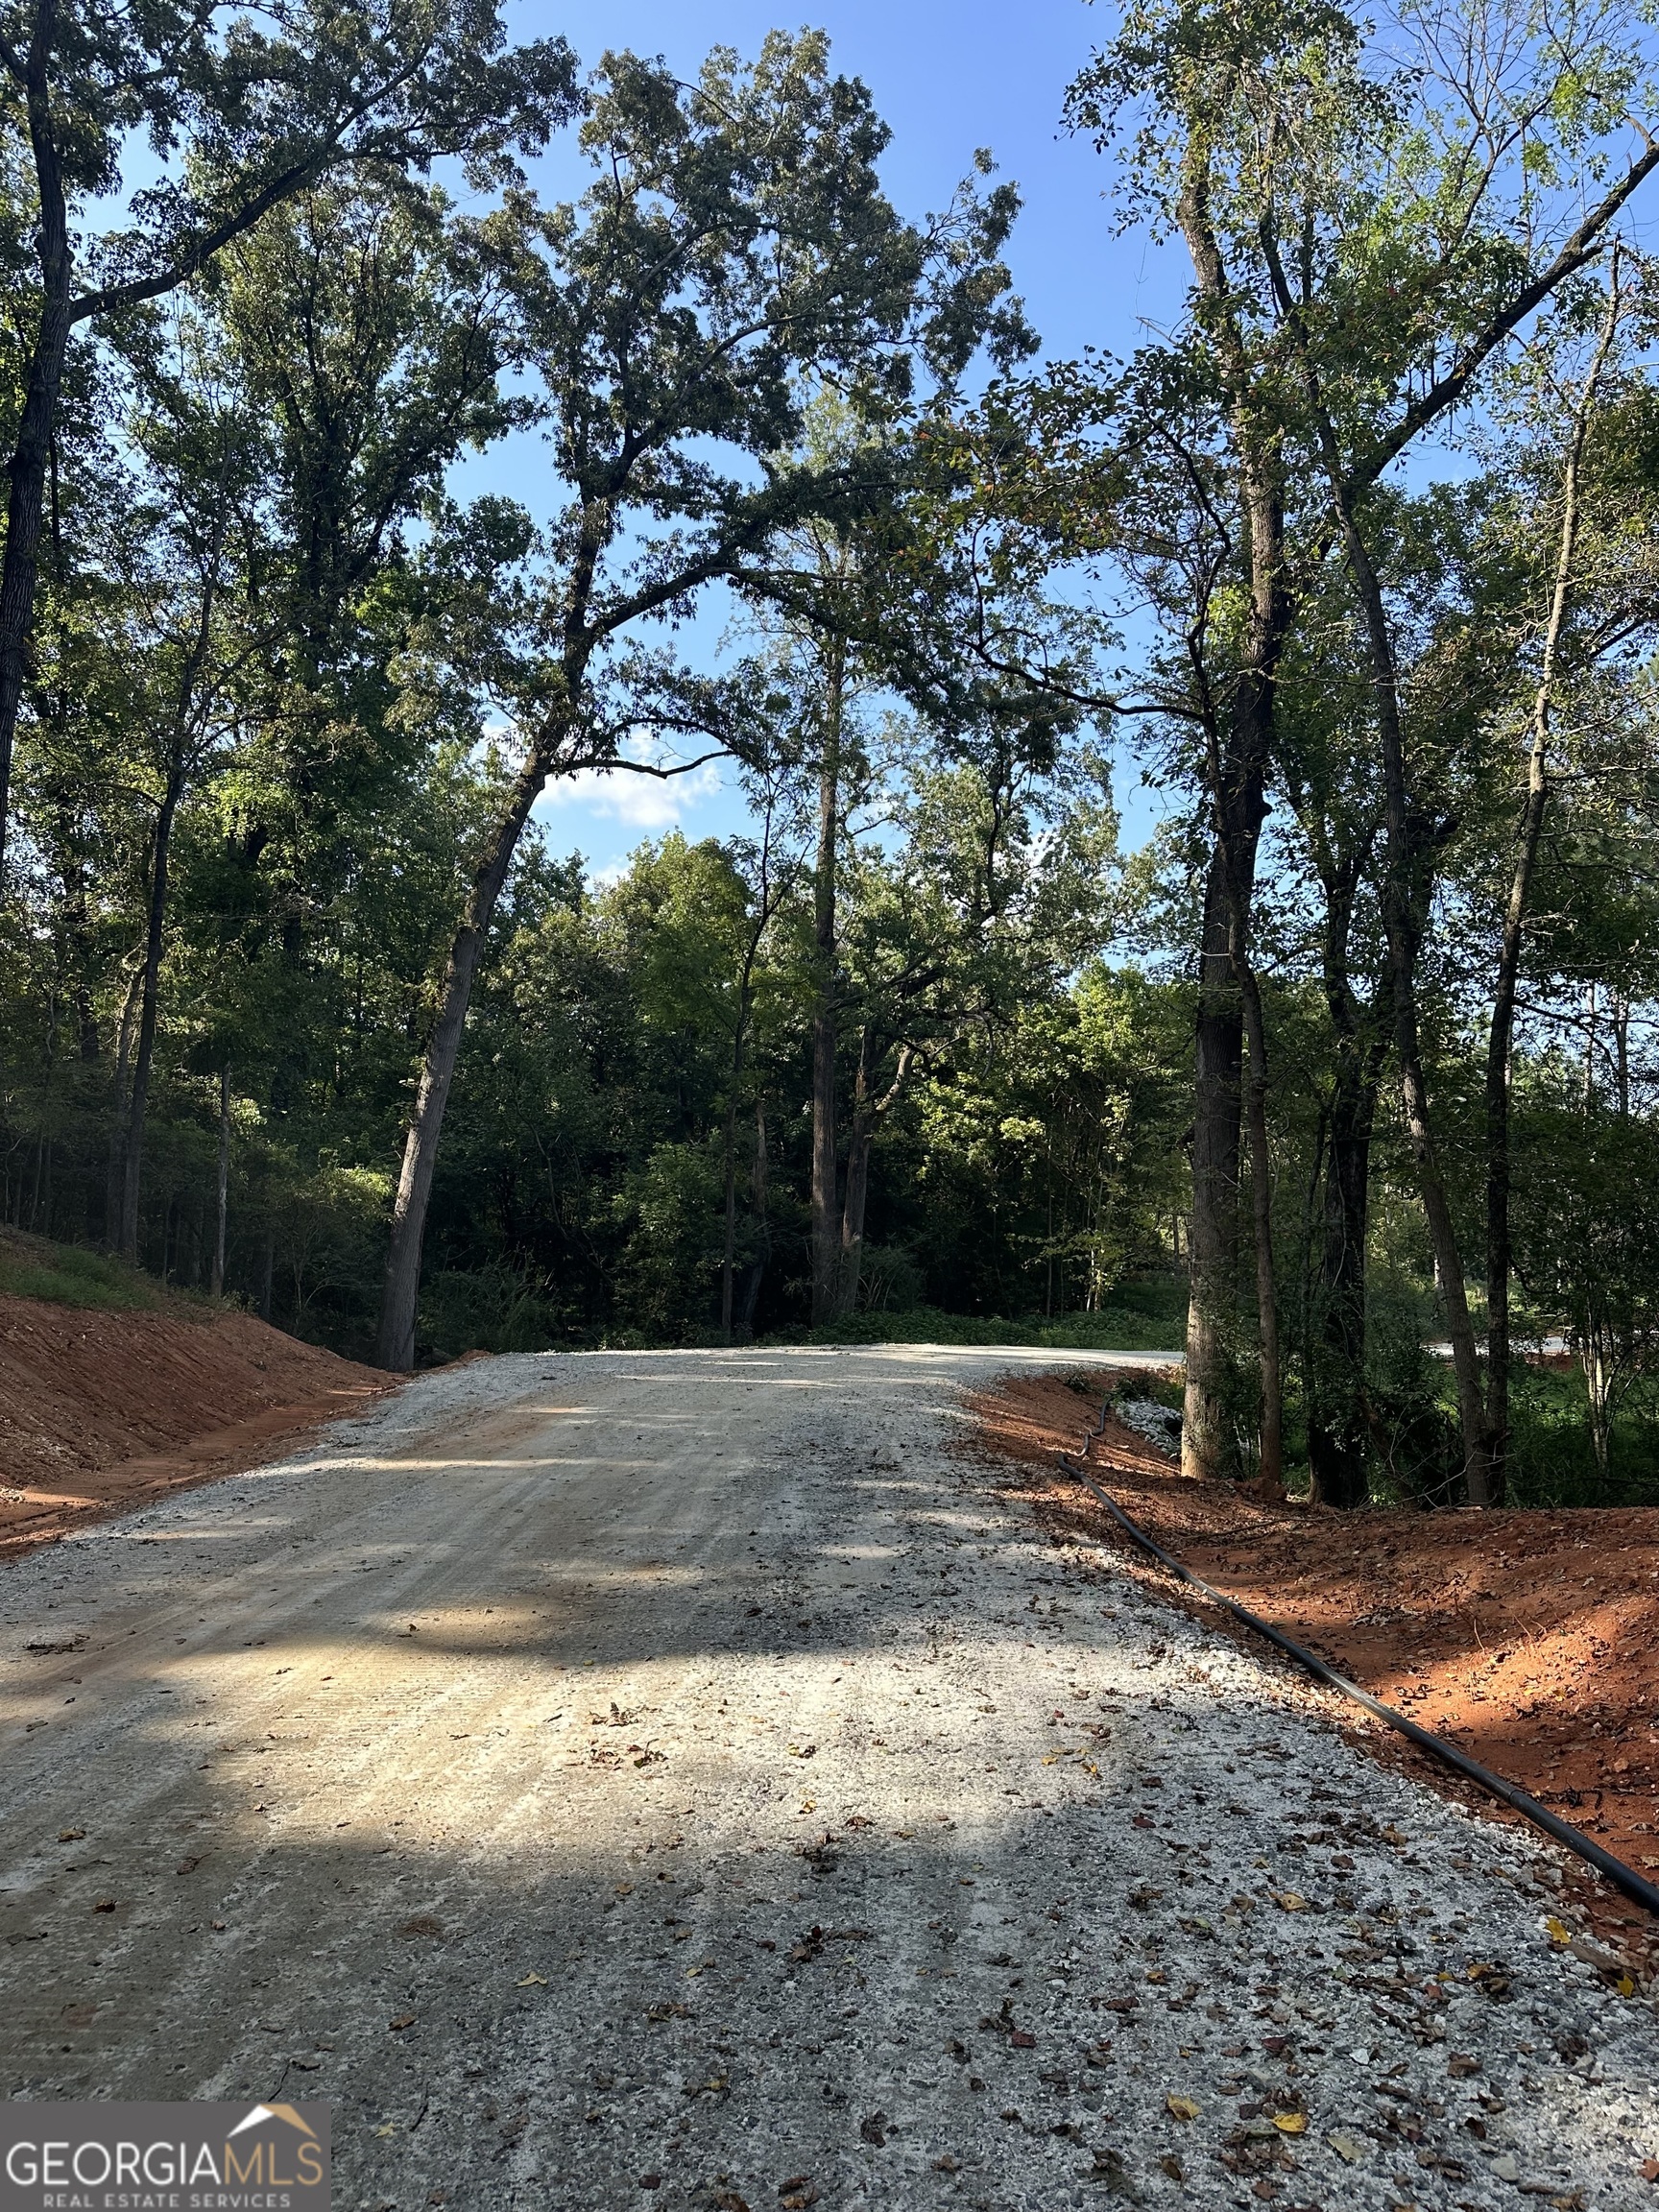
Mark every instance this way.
x=143 y=1058
x=395 y=1347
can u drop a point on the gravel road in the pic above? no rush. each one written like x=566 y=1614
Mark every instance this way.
x=692 y=1780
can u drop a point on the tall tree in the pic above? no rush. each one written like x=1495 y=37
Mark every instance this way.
x=1364 y=238
x=240 y=119
x=735 y=243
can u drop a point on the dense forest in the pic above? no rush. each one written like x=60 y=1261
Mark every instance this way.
x=1343 y=1079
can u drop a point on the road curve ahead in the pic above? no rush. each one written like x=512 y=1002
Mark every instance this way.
x=678 y=1780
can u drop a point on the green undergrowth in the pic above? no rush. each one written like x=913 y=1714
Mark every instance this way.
x=71 y=1275
x=1134 y=1322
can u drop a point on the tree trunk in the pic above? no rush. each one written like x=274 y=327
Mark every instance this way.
x=1238 y=769
x=1272 y=1429
x=143 y=1058
x=1338 y=1425
x=859 y=1138
x=825 y=1239
x=1500 y=1038
x=758 y=1197
x=224 y=1179
x=118 y=1113
x=1209 y=1447
x=730 y=1245
x=1404 y=909
x=396 y=1344
x=27 y=467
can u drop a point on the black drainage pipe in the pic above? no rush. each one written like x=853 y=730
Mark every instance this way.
x=1624 y=1877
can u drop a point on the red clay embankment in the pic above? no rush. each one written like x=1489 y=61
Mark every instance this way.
x=101 y=1412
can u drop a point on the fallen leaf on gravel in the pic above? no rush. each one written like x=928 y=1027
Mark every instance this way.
x=105 y=1905
x=1346 y=2149
x=1461 y=2065
x=873 y=2129
x=390 y=2128
x=947 y=2164
x=403 y=2020
x=532 y=1982
x=802 y=1750
x=1181 y=2107
x=422 y=1924
x=1393 y=1835
x=71 y=1835
x=650 y=2181
x=728 y=2200
x=1289 y=1901
x=1110 y=2169
x=1172 y=2166
x=668 y=2012
x=1290 y=2123
x=1022 y=2040
x=1649 y=2169
x=1557 y=1933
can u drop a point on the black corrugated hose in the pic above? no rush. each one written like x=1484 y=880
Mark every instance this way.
x=1625 y=1878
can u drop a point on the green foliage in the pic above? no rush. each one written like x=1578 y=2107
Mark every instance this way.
x=69 y=1275
x=1127 y=1327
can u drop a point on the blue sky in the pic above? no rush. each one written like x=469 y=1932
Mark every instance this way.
x=947 y=79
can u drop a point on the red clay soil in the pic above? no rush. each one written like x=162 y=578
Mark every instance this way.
x=1530 y=1639
x=102 y=1412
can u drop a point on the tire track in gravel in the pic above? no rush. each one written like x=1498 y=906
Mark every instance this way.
x=689 y=1780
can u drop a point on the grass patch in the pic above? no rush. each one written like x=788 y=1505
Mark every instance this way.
x=70 y=1275
x=1135 y=1323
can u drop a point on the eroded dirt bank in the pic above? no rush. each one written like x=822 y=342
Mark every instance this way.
x=700 y=1782
x=100 y=1411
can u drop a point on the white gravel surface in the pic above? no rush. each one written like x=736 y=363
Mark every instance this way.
x=688 y=1780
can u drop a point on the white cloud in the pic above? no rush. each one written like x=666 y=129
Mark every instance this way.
x=642 y=802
